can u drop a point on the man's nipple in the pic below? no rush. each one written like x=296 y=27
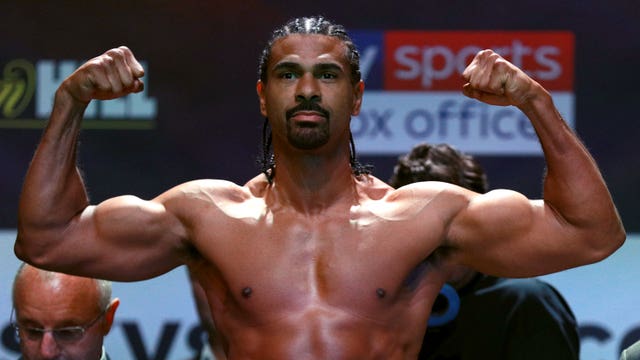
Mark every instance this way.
x=246 y=292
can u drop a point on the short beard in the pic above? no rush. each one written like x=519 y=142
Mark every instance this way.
x=312 y=136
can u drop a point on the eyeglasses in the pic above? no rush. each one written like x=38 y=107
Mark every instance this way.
x=63 y=335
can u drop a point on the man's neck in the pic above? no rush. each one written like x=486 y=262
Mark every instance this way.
x=312 y=186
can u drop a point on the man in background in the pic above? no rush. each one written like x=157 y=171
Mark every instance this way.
x=487 y=317
x=60 y=316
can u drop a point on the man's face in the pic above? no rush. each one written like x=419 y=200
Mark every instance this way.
x=58 y=305
x=309 y=94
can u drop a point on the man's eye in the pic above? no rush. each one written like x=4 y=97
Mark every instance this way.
x=69 y=334
x=33 y=333
x=287 y=75
x=328 y=76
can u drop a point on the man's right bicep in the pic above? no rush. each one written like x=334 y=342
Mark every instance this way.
x=135 y=239
x=123 y=239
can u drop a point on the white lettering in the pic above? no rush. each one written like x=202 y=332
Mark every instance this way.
x=554 y=68
x=429 y=70
x=519 y=52
x=367 y=59
x=48 y=78
x=432 y=63
x=402 y=57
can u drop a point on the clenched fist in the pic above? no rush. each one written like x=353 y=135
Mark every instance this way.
x=111 y=75
x=493 y=80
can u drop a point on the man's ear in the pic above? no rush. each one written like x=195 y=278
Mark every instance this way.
x=261 y=96
x=110 y=315
x=358 y=92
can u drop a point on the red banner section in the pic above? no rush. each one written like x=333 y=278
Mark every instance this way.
x=434 y=60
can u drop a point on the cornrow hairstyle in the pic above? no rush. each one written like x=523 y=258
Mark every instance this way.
x=308 y=25
x=356 y=166
x=439 y=162
x=267 y=161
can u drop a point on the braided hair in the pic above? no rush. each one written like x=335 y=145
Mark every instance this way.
x=307 y=25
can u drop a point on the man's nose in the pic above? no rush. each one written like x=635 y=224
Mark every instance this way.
x=48 y=346
x=308 y=88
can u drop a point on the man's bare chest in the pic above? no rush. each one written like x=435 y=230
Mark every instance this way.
x=360 y=265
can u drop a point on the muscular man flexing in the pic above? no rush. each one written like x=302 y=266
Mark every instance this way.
x=313 y=260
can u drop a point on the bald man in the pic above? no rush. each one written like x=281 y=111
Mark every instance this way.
x=60 y=316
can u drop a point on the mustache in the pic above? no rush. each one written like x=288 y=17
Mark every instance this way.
x=307 y=105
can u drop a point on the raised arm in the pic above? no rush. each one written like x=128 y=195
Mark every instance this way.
x=124 y=238
x=576 y=223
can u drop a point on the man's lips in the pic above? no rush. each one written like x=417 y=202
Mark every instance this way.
x=307 y=111
x=307 y=116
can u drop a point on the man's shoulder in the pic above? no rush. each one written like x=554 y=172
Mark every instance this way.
x=426 y=191
x=207 y=187
x=413 y=204
x=371 y=187
x=195 y=196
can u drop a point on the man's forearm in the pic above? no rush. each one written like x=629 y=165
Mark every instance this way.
x=53 y=191
x=573 y=184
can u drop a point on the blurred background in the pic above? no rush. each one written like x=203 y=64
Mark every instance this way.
x=199 y=118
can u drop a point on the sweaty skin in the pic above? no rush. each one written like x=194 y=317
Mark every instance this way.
x=290 y=289
x=319 y=264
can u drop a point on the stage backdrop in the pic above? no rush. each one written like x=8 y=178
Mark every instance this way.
x=199 y=118
x=156 y=318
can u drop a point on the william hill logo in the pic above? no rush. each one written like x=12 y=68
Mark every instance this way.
x=27 y=91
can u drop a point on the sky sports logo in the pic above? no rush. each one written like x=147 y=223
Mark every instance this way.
x=413 y=89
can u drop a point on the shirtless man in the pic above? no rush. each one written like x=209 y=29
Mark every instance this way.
x=314 y=261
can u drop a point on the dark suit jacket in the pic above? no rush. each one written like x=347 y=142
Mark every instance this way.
x=632 y=352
